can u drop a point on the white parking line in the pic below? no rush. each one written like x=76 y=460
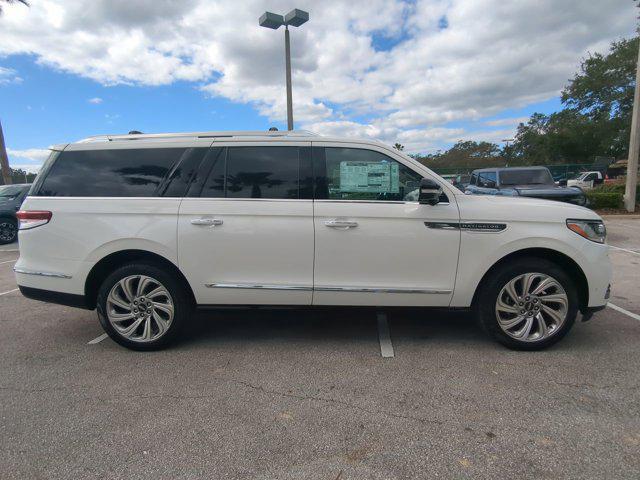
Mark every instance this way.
x=624 y=249
x=8 y=261
x=10 y=250
x=98 y=339
x=9 y=291
x=386 y=347
x=635 y=316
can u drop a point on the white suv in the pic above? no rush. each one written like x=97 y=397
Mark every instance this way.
x=146 y=227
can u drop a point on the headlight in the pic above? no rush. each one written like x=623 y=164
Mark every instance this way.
x=593 y=230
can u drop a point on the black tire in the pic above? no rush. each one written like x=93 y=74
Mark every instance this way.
x=180 y=299
x=8 y=230
x=485 y=307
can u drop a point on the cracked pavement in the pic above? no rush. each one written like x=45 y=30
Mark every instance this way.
x=292 y=394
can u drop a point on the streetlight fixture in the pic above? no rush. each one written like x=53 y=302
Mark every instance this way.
x=295 y=18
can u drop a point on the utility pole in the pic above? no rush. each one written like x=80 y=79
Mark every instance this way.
x=634 y=148
x=4 y=160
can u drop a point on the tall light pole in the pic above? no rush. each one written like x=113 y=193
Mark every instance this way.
x=295 y=18
x=634 y=148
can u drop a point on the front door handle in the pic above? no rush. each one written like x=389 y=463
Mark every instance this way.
x=207 y=222
x=340 y=224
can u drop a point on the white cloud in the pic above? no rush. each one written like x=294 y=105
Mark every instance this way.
x=9 y=75
x=494 y=55
x=30 y=159
x=95 y=100
x=501 y=122
x=27 y=167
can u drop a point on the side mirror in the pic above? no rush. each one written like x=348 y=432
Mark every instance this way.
x=430 y=192
x=563 y=182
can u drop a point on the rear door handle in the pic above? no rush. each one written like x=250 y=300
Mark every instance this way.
x=340 y=224
x=207 y=222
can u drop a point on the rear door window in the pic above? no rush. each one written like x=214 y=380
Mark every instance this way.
x=268 y=172
x=141 y=172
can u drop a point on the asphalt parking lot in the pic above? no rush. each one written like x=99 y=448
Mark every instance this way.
x=299 y=394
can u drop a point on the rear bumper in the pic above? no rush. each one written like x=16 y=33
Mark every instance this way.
x=49 y=296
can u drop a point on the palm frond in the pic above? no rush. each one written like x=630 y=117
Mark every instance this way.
x=24 y=2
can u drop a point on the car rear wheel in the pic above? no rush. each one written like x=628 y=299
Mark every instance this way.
x=142 y=307
x=8 y=230
x=528 y=305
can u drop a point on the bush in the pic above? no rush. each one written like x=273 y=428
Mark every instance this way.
x=599 y=200
x=610 y=188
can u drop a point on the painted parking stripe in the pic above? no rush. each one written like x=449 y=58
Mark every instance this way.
x=624 y=249
x=10 y=250
x=10 y=291
x=635 y=316
x=8 y=261
x=98 y=339
x=386 y=347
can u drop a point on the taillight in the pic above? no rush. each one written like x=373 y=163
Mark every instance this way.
x=33 y=218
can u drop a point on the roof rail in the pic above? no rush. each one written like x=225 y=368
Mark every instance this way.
x=230 y=134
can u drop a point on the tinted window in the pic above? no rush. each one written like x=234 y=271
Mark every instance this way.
x=538 y=176
x=358 y=174
x=183 y=172
x=487 y=179
x=474 y=179
x=110 y=173
x=255 y=172
x=214 y=184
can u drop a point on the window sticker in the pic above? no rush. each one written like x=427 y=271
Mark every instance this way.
x=369 y=177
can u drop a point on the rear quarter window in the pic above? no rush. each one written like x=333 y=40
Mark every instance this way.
x=142 y=172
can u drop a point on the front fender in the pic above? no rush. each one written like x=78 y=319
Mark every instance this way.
x=481 y=251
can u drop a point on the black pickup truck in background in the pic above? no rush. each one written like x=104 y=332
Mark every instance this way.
x=522 y=182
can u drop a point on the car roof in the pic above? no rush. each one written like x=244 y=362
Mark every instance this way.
x=219 y=136
x=502 y=169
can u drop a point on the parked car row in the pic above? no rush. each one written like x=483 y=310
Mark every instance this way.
x=11 y=197
x=535 y=182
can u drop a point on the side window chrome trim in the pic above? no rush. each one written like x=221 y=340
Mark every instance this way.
x=223 y=199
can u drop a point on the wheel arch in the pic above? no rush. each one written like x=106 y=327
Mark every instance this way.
x=114 y=260
x=559 y=258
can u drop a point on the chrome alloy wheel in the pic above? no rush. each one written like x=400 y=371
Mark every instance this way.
x=532 y=307
x=7 y=231
x=140 y=308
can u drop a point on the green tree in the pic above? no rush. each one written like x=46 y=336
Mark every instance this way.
x=596 y=118
x=398 y=146
x=465 y=154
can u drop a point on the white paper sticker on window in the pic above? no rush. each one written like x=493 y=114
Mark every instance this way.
x=374 y=177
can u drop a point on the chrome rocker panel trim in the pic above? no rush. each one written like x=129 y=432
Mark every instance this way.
x=41 y=274
x=321 y=288
x=258 y=286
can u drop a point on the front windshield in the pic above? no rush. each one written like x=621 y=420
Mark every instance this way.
x=10 y=191
x=536 y=176
x=582 y=176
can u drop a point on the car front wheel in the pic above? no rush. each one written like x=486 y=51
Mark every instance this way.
x=142 y=307
x=529 y=304
x=8 y=230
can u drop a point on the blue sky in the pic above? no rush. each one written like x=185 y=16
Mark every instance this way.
x=425 y=73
